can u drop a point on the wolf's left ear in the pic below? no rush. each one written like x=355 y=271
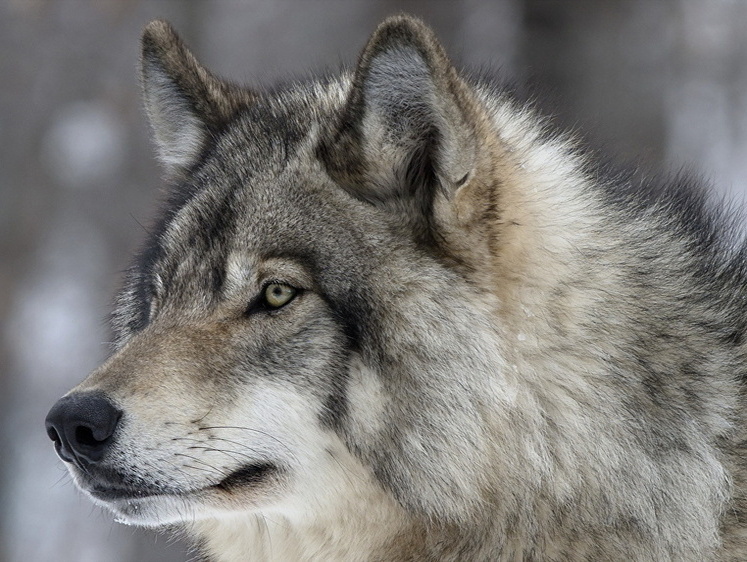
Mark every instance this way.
x=407 y=127
x=185 y=103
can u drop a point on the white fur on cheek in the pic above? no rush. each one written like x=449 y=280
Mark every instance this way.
x=332 y=503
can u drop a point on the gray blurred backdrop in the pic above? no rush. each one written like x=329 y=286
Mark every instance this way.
x=660 y=81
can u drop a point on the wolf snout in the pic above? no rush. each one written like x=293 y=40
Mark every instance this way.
x=81 y=426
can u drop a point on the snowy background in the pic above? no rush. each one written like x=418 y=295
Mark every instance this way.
x=662 y=82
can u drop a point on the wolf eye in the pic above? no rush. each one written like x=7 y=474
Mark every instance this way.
x=278 y=294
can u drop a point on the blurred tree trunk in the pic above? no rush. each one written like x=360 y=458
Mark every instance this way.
x=663 y=84
x=600 y=67
x=706 y=95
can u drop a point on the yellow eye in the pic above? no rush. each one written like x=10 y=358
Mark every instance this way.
x=277 y=294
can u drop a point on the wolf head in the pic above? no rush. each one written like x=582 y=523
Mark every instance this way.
x=312 y=303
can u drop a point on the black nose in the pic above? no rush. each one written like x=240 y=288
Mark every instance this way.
x=81 y=426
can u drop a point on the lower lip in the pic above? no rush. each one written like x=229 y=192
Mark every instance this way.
x=249 y=475
x=120 y=494
x=244 y=477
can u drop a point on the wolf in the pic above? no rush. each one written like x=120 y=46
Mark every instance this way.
x=394 y=315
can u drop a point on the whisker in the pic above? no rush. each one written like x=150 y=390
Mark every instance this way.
x=212 y=472
x=210 y=468
x=349 y=474
x=287 y=449
x=248 y=429
x=215 y=449
x=203 y=417
x=234 y=455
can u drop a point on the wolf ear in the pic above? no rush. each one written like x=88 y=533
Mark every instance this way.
x=406 y=128
x=185 y=103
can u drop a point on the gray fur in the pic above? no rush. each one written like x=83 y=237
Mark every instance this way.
x=493 y=355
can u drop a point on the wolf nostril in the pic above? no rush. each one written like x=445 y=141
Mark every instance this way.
x=55 y=437
x=82 y=426
x=84 y=436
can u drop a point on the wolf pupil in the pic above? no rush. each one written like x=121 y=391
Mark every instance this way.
x=278 y=294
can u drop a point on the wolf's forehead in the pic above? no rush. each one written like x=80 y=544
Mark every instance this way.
x=259 y=141
x=276 y=132
x=259 y=191
x=242 y=213
x=242 y=172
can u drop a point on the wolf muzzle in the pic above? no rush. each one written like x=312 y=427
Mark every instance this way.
x=82 y=426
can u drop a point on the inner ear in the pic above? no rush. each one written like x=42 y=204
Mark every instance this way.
x=406 y=126
x=420 y=172
x=185 y=103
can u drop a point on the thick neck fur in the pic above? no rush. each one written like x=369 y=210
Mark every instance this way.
x=569 y=277
x=575 y=413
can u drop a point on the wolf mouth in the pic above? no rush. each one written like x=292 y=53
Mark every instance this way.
x=115 y=493
x=246 y=476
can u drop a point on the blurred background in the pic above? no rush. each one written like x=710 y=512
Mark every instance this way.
x=661 y=83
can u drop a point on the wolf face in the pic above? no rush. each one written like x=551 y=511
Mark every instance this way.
x=389 y=316
x=290 y=307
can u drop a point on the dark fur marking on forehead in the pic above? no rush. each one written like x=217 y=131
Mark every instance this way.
x=269 y=133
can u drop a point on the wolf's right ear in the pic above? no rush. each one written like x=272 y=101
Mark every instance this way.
x=185 y=103
x=407 y=129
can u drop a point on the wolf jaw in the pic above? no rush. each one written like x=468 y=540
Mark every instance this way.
x=495 y=351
